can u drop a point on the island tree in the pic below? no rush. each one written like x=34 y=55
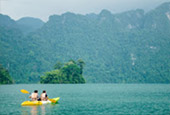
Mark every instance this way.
x=71 y=72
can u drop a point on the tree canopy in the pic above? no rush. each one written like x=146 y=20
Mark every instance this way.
x=5 y=78
x=70 y=72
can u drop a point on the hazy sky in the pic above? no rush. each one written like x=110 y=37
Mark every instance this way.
x=44 y=8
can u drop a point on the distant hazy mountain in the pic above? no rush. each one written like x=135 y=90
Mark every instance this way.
x=6 y=21
x=129 y=47
x=26 y=24
x=29 y=24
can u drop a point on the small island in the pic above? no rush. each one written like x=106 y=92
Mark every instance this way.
x=68 y=73
x=5 y=78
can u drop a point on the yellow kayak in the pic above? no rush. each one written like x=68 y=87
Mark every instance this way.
x=31 y=103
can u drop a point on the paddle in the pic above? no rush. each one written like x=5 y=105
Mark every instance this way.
x=25 y=91
x=52 y=100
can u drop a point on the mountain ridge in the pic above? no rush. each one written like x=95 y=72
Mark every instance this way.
x=128 y=47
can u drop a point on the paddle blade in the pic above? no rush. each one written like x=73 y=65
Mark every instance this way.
x=52 y=100
x=24 y=91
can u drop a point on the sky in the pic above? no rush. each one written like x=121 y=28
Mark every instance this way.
x=42 y=9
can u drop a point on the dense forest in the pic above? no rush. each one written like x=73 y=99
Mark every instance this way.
x=128 y=47
x=70 y=72
x=5 y=78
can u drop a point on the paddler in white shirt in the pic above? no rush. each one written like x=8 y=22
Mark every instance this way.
x=44 y=96
x=34 y=96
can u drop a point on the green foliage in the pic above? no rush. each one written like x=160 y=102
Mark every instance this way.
x=58 y=65
x=129 y=47
x=69 y=73
x=81 y=64
x=5 y=78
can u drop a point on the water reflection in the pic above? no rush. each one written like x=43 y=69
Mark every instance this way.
x=29 y=110
x=34 y=110
x=43 y=110
x=39 y=110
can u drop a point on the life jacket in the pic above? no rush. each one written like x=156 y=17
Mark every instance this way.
x=34 y=96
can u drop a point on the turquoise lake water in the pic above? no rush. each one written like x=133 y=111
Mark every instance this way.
x=89 y=99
